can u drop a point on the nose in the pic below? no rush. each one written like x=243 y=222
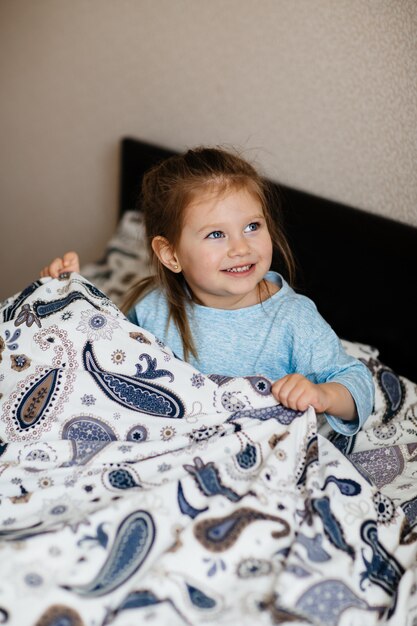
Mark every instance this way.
x=238 y=246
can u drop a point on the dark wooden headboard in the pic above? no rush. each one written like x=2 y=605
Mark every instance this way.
x=359 y=268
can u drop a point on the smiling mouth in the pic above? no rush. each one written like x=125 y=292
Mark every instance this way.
x=239 y=270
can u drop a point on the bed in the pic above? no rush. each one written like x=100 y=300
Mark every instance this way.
x=134 y=489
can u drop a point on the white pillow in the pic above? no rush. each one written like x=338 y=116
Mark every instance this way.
x=125 y=259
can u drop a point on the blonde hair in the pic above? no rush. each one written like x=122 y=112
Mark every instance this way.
x=168 y=188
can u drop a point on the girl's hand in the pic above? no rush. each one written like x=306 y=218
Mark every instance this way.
x=70 y=262
x=297 y=392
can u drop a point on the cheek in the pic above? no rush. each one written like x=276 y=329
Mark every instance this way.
x=197 y=259
x=266 y=247
x=209 y=257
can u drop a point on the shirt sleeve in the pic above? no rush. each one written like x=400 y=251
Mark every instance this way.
x=322 y=359
x=358 y=380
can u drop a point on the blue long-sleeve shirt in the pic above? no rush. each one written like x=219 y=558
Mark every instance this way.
x=282 y=335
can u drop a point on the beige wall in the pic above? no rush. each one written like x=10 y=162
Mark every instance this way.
x=322 y=93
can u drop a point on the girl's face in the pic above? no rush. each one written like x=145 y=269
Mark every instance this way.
x=225 y=249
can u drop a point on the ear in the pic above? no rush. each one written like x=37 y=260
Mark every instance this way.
x=165 y=253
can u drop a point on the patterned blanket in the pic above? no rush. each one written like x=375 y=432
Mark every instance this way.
x=134 y=489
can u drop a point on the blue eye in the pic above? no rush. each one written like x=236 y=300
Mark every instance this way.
x=252 y=227
x=216 y=234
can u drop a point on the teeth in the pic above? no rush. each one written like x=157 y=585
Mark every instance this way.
x=244 y=268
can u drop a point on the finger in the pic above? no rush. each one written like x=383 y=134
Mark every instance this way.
x=278 y=384
x=293 y=392
x=50 y=270
x=291 y=399
x=56 y=267
x=70 y=258
x=299 y=403
x=282 y=388
x=303 y=396
x=71 y=262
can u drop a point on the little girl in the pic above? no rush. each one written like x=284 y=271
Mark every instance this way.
x=213 y=300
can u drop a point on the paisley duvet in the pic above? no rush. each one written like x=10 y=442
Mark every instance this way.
x=136 y=490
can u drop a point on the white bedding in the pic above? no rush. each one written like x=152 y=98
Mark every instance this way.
x=136 y=490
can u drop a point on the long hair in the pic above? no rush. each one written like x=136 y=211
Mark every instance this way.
x=168 y=188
